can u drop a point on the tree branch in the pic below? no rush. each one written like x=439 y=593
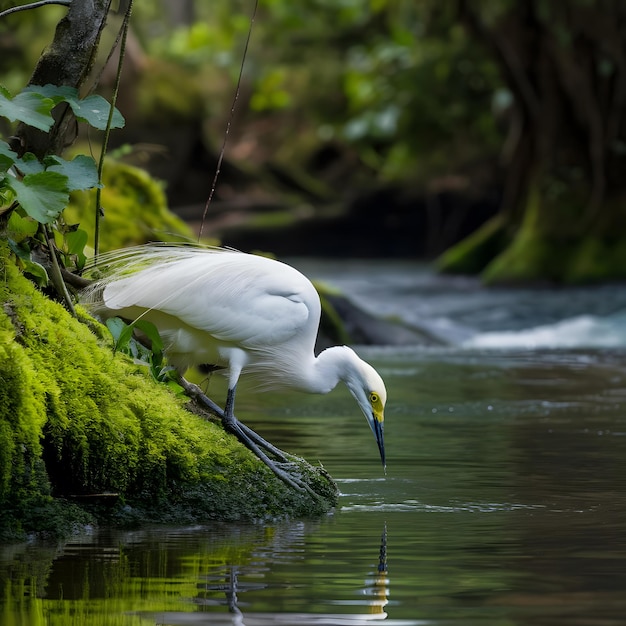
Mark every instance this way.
x=34 y=5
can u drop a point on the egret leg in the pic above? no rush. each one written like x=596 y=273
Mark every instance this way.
x=195 y=392
x=229 y=414
x=252 y=440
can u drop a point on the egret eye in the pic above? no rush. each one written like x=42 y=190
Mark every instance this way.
x=373 y=397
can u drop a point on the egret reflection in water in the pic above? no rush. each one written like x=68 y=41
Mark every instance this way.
x=225 y=588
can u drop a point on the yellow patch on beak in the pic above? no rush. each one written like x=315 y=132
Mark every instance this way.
x=377 y=407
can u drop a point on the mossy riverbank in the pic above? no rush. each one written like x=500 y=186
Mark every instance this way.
x=86 y=436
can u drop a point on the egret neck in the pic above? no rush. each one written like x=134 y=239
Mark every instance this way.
x=328 y=368
x=363 y=382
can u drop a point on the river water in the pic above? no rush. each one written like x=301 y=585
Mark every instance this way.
x=504 y=501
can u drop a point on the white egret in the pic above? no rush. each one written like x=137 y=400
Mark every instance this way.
x=241 y=312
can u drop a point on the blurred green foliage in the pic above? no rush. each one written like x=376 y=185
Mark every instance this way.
x=398 y=82
x=466 y=97
x=135 y=210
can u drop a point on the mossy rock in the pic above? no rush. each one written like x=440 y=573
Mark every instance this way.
x=135 y=210
x=533 y=258
x=342 y=322
x=77 y=420
x=529 y=259
x=473 y=254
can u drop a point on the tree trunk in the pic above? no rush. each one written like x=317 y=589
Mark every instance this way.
x=562 y=215
x=67 y=61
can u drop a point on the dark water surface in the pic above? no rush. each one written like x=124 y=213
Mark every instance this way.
x=504 y=503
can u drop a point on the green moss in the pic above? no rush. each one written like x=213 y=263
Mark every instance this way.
x=76 y=419
x=542 y=247
x=135 y=210
x=597 y=259
x=529 y=258
x=555 y=243
x=532 y=258
x=536 y=258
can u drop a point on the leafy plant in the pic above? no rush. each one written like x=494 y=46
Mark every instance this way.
x=37 y=190
x=40 y=188
x=152 y=357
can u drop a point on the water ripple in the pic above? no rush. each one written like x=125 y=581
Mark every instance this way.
x=416 y=506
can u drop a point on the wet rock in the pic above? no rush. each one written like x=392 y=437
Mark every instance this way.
x=360 y=327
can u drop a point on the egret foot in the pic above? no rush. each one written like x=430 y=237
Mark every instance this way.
x=252 y=440
x=231 y=423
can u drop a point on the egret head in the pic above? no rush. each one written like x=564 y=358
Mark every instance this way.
x=368 y=388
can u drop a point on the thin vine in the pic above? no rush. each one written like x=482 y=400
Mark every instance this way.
x=55 y=269
x=230 y=119
x=107 y=132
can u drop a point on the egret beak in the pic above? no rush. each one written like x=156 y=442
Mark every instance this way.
x=377 y=425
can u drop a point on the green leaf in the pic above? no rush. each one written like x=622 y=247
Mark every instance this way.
x=124 y=341
x=7 y=195
x=36 y=270
x=125 y=337
x=7 y=156
x=127 y=344
x=28 y=107
x=57 y=93
x=29 y=164
x=116 y=326
x=150 y=330
x=21 y=252
x=94 y=110
x=19 y=228
x=76 y=242
x=43 y=195
x=81 y=172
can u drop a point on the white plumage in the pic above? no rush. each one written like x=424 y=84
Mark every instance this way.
x=247 y=313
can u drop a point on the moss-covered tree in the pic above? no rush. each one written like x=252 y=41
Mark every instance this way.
x=564 y=202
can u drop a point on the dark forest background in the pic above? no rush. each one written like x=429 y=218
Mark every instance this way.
x=487 y=136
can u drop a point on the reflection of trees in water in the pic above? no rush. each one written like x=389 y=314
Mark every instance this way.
x=149 y=572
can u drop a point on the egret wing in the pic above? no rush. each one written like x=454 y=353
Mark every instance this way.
x=236 y=298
